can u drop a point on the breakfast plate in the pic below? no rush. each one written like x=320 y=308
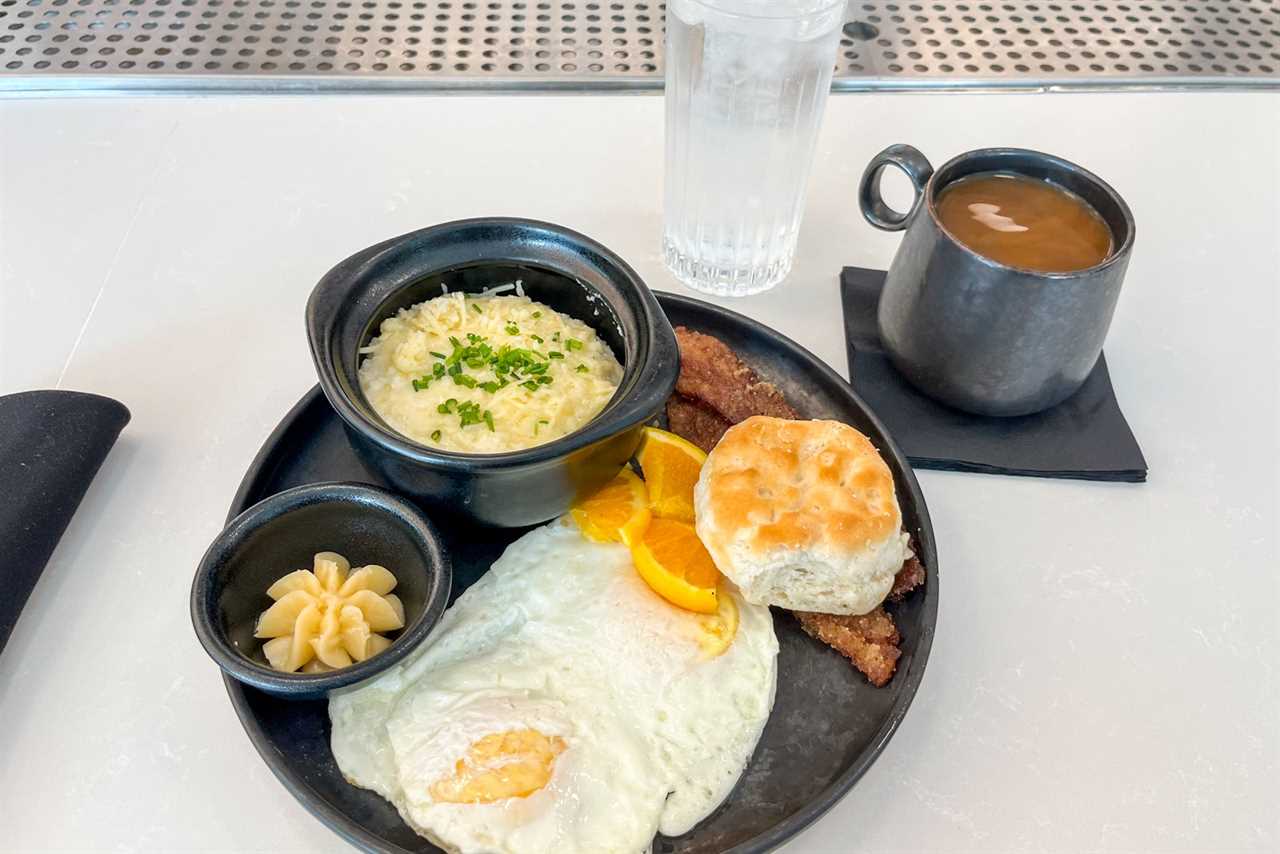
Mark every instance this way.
x=828 y=723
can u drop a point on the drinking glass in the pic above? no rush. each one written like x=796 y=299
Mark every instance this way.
x=747 y=81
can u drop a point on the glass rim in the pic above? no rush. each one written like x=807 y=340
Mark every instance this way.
x=713 y=6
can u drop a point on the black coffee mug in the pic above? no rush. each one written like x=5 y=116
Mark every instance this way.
x=979 y=335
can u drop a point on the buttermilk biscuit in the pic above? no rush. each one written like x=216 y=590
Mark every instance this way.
x=802 y=515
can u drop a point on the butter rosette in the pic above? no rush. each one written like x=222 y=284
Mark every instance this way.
x=329 y=616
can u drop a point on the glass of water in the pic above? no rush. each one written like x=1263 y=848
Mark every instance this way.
x=747 y=81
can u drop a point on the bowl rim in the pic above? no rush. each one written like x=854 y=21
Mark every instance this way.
x=630 y=404
x=206 y=615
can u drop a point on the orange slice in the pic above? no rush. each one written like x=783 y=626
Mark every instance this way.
x=618 y=511
x=671 y=467
x=672 y=560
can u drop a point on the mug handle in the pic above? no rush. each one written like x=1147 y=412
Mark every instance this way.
x=917 y=168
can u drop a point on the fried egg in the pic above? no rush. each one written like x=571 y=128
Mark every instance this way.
x=562 y=706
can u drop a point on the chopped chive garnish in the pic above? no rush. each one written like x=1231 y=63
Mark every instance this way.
x=468 y=413
x=447 y=407
x=555 y=336
x=582 y=369
x=477 y=309
x=536 y=315
x=573 y=343
x=521 y=365
x=435 y=435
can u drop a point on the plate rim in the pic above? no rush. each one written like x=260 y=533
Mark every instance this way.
x=791 y=826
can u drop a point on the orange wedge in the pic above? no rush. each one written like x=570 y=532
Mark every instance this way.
x=671 y=467
x=617 y=512
x=672 y=560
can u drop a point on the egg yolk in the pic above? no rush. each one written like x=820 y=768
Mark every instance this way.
x=718 y=630
x=512 y=764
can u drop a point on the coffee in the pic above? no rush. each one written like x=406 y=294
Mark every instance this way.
x=1024 y=222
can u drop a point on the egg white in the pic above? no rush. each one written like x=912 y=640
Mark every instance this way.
x=564 y=637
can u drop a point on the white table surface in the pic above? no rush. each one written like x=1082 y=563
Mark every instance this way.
x=1104 y=674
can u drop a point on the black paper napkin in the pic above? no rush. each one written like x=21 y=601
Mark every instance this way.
x=51 y=446
x=1085 y=437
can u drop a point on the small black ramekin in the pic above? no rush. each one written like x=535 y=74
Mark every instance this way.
x=561 y=268
x=282 y=533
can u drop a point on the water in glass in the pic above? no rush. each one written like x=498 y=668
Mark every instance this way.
x=747 y=81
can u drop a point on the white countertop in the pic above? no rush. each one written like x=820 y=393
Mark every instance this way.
x=1104 y=674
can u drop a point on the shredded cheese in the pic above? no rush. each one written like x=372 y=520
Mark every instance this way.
x=487 y=373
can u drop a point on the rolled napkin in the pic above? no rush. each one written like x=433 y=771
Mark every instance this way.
x=51 y=446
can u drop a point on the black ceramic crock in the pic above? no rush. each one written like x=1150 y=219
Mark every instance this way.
x=563 y=269
x=282 y=533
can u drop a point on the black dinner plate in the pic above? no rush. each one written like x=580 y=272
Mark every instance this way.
x=828 y=724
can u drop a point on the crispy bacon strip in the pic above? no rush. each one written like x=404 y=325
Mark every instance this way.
x=908 y=578
x=713 y=375
x=695 y=422
x=870 y=641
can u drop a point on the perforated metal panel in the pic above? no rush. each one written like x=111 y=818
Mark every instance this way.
x=1063 y=42
x=585 y=44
